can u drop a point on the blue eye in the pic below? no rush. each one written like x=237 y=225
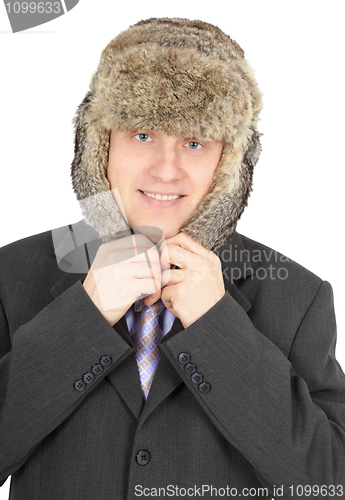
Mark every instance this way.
x=143 y=137
x=194 y=145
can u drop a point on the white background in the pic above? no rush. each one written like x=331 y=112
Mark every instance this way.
x=297 y=51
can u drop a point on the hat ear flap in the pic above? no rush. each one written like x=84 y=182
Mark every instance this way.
x=80 y=141
x=250 y=159
x=252 y=153
x=91 y=151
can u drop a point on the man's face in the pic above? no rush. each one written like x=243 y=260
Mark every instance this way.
x=143 y=165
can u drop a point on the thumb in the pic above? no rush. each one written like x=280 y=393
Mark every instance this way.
x=151 y=299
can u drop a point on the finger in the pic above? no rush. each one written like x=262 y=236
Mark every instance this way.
x=123 y=249
x=131 y=241
x=177 y=256
x=138 y=288
x=152 y=274
x=145 y=287
x=143 y=253
x=166 y=299
x=164 y=256
x=148 y=258
x=142 y=270
x=152 y=255
x=185 y=241
x=151 y=299
x=128 y=275
x=171 y=277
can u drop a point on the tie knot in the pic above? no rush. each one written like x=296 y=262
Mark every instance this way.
x=156 y=308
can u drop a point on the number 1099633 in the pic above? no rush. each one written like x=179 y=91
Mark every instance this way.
x=33 y=7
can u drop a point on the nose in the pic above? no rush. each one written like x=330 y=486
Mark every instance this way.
x=166 y=163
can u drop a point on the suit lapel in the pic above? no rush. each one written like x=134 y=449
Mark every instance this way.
x=238 y=296
x=236 y=267
x=126 y=381
x=125 y=377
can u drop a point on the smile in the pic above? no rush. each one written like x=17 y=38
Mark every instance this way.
x=163 y=197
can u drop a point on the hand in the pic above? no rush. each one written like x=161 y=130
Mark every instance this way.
x=189 y=292
x=123 y=270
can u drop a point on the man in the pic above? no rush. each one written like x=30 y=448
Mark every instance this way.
x=247 y=398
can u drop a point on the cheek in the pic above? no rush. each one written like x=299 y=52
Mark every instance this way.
x=117 y=179
x=113 y=179
x=116 y=171
x=213 y=165
x=116 y=163
x=206 y=178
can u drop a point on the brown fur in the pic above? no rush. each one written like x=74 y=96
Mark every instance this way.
x=178 y=77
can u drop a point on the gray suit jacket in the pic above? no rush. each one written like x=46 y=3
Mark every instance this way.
x=270 y=412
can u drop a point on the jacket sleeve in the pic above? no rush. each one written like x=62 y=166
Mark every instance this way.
x=286 y=415
x=38 y=376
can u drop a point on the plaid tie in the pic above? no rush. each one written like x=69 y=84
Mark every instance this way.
x=146 y=335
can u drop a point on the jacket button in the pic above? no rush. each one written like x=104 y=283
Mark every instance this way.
x=143 y=457
x=184 y=358
x=190 y=368
x=97 y=369
x=204 y=387
x=106 y=361
x=79 y=385
x=88 y=378
x=197 y=378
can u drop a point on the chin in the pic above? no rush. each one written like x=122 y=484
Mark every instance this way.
x=154 y=231
x=168 y=232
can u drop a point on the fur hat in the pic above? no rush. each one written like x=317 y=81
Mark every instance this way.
x=178 y=77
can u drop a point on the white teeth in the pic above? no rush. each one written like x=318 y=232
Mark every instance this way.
x=162 y=198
